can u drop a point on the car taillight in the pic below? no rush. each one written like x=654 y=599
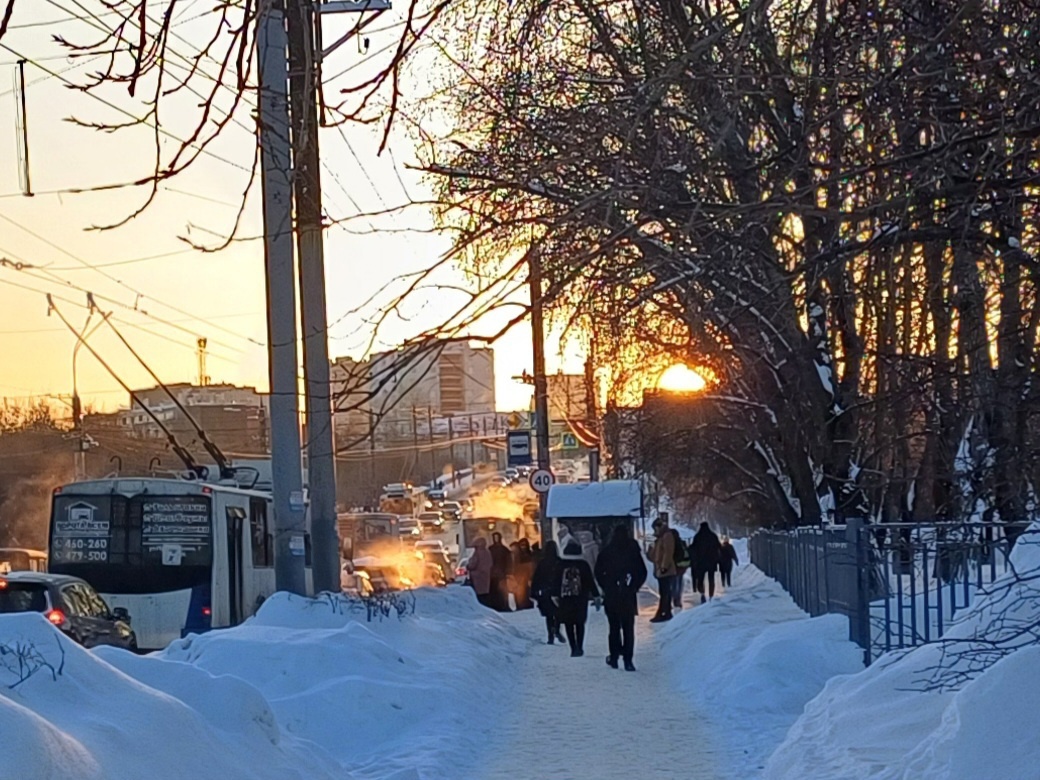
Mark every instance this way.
x=460 y=572
x=57 y=617
x=207 y=611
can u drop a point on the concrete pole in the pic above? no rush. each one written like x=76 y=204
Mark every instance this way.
x=321 y=452
x=276 y=171
x=541 y=386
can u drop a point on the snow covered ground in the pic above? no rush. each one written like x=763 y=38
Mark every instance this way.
x=744 y=687
x=306 y=690
x=748 y=662
x=950 y=711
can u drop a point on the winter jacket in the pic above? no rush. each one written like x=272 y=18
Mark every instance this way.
x=620 y=572
x=705 y=550
x=663 y=555
x=479 y=567
x=573 y=608
x=542 y=584
x=501 y=561
x=728 y=558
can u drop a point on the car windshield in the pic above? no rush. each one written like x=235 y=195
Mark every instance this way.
x=23 y=597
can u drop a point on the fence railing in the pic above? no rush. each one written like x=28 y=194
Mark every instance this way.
x=899 y=584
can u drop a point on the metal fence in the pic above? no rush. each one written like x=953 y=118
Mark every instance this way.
x=899 y=584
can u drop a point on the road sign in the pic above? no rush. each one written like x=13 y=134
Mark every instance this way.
x=541 y=480
x=514 y=420
x=570 y=441
x=518 y=448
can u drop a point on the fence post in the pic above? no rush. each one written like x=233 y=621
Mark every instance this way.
x=859 y=621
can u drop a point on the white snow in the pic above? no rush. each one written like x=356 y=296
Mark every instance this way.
x=746 y=686
x=892 y=721
x=612 y=498
x=750 y=660
x=307 y=689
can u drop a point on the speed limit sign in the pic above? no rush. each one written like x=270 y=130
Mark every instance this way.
x=541 y=480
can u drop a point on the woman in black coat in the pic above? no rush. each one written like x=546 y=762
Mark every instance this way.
x=542 y=590
x=574 y=586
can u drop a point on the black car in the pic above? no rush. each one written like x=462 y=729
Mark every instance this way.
x=70 y=604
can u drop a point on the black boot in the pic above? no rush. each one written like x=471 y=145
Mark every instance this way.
x=612 y=662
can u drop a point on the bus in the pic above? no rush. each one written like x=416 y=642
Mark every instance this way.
x=180 y=556
x=22 y=559
x=367 y=533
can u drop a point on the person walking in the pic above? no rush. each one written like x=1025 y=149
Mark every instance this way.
x=662 y=555
x=542 y=583
x=573 y=588
x=705 y=555
x=727 y=561
x=682 y=565
x=479 y=568
x=501 y=568
x=620 y=572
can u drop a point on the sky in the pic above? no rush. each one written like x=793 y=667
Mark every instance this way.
x=162 y=293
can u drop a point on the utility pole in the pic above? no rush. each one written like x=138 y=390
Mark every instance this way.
x=541 y=386
x=276 y=168
x=321 y=451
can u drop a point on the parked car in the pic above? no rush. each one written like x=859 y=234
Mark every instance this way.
x=461 y=573
x=434 y=576
x=409 y=529
x=71 y=605
x=431 y=521
x=354 y=582
x=451 y=510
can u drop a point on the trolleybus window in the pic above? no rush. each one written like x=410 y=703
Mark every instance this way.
x=142 y=544
x=263 y=547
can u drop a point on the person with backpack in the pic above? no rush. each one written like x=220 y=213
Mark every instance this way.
x=573 y=588
x=662 y=555
x=620 y=572
x=705 y=555
x=542 y=584
x=727 y=561
x=682 y=565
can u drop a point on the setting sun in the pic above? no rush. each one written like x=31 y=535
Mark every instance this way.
x=681 y=379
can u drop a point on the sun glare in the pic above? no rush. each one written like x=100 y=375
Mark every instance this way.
x=681 y=378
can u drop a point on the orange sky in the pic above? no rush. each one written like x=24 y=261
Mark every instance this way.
x=187 y=294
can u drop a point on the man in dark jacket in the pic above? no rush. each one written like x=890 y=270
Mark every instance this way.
x=727 y=561
x=501 y=568
x=620 y=572
x=705 y=555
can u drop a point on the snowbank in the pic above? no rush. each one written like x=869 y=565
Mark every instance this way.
x=900 y=719
x=752 y=659
x=307 y=689
x=383 y=696
x=83 y=718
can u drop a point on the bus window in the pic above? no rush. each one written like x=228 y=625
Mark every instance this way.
x=263 y=547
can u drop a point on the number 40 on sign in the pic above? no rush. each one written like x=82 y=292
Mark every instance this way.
x=541 y=480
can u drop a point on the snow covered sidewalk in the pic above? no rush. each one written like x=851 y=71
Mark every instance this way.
x=577 y=717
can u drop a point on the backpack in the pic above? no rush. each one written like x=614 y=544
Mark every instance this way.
x=570 y=582
x=680 y=555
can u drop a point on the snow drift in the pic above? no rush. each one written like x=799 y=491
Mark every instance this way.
x=753 y=659
x=83 y=718
x=900 y=719
x=306 y=689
